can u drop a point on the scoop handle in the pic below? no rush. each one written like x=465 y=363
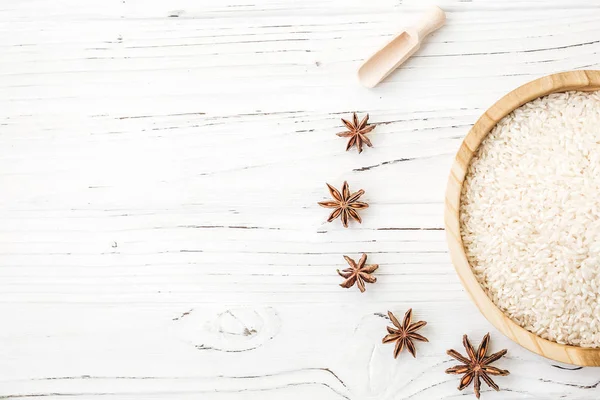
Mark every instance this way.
x=433 y=19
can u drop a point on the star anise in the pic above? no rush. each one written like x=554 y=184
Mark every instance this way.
x=357 y=132
x=358 y=273
x=477 y=365
x=345 y=204
x=404 y=333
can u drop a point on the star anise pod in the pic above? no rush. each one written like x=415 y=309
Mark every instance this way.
x=404 y=333
x=357 y=132
x=358 y=273
x=345 y=204
x=477 y=365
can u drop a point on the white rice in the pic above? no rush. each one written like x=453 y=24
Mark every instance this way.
x=530 y=217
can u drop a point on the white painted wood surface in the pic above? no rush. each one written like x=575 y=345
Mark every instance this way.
x=160 y=164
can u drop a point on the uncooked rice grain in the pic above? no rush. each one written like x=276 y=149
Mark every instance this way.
x=530 y=217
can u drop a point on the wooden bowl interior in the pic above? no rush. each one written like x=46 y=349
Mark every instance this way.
x=561 y=82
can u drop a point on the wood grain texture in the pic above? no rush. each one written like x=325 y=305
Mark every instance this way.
x=161 y=163
x=571 y=80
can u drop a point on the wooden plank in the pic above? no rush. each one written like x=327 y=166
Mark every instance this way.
x=161 y=164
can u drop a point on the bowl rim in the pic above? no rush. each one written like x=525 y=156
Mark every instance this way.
x=581 y=80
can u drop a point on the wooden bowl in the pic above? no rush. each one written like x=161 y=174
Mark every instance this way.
x=562 y=82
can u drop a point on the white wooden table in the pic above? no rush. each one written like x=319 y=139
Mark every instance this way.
x=160 y=164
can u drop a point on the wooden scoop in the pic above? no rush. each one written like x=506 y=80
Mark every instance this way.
x=381 y=64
